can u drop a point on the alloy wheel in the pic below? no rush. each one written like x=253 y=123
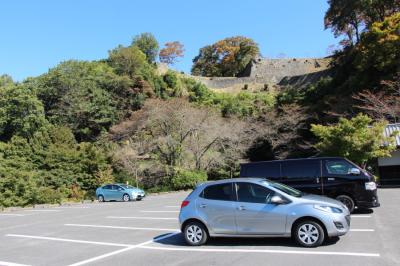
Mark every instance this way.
x=194 y=234
x=308 y=234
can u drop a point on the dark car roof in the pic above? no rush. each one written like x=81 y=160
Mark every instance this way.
x=297 y=159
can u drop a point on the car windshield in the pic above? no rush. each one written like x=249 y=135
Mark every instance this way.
x=286 y=189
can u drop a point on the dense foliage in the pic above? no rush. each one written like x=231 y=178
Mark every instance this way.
x=225 y=58
x=148 y=44
x=358 y=139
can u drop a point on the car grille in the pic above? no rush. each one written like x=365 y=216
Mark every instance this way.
x=348 y=220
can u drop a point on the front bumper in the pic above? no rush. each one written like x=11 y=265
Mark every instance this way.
x=140 y=196
x=338 y=225
x=369 y=201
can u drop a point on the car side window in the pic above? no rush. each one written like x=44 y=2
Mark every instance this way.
x=301 y=169
x=219 y=192
x=115 y=187
x=338 y=167
x=249 y=192
x=107 y=187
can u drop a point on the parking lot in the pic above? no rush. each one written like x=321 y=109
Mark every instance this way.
x=146 y=233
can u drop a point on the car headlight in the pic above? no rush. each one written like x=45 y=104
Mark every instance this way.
x=370 y=186
x=328 y=209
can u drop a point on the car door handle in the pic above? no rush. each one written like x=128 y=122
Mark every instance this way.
x=241 y=208
x=203 y=205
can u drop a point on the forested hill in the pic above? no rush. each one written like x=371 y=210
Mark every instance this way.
x=86 y=123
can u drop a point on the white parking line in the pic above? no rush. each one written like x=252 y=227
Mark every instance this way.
x=42 y=210
x=361 y=216
x=69 y=240
x=138 y=217
x=122 y=227
x=161 y=211
x=277 y=251
x=5 y=263
x=362 y=230
x=11 y=214
x=120 y=250
x=72 y=207
x=102 y=256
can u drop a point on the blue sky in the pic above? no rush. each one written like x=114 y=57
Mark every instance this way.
x=37 y=35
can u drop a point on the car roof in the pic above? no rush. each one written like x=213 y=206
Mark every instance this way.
x=296 y=159
x=239 y=179
x=115 y=184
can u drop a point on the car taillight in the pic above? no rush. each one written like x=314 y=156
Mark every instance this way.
x=184 y=203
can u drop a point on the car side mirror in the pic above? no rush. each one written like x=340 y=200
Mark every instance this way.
x=277 y=200
x=354 y=171
x=120 y=189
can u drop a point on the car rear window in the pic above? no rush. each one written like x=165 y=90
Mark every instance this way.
x=218 y=192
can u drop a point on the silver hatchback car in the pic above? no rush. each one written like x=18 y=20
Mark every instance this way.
x=255 y=207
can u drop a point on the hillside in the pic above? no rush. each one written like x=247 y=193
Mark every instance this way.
x=121 y=119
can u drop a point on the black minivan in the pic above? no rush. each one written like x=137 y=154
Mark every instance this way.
x=334 y=177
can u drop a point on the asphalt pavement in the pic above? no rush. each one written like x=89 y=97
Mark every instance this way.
x=146 y=233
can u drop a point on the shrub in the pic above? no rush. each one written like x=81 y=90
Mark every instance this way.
x=187 y=179
x=46 y=195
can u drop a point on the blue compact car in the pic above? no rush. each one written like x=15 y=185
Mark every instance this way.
x=119 y=192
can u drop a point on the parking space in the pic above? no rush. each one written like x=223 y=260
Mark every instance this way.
x=146 y=233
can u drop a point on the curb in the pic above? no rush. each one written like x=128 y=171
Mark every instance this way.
x=73 y=203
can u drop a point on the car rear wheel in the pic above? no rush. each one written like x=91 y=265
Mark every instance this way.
x=195 y=234
x=348 y=201
x=100 y=198
x=309 y=234
x=126 y=197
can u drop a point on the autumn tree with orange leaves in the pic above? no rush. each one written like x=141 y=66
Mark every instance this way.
x=225 y=58
x=171 y=52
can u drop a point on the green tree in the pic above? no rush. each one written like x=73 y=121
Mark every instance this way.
x=378 y=54
x=227 y=57
x=21 y=112
x=88 y=97
x=148 y=44
x=351 y=18
x=6 y=80
x=127 y=60
x=358 y=139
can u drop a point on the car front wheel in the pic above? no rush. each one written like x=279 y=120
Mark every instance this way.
x=195 y=234
x=309 y=234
